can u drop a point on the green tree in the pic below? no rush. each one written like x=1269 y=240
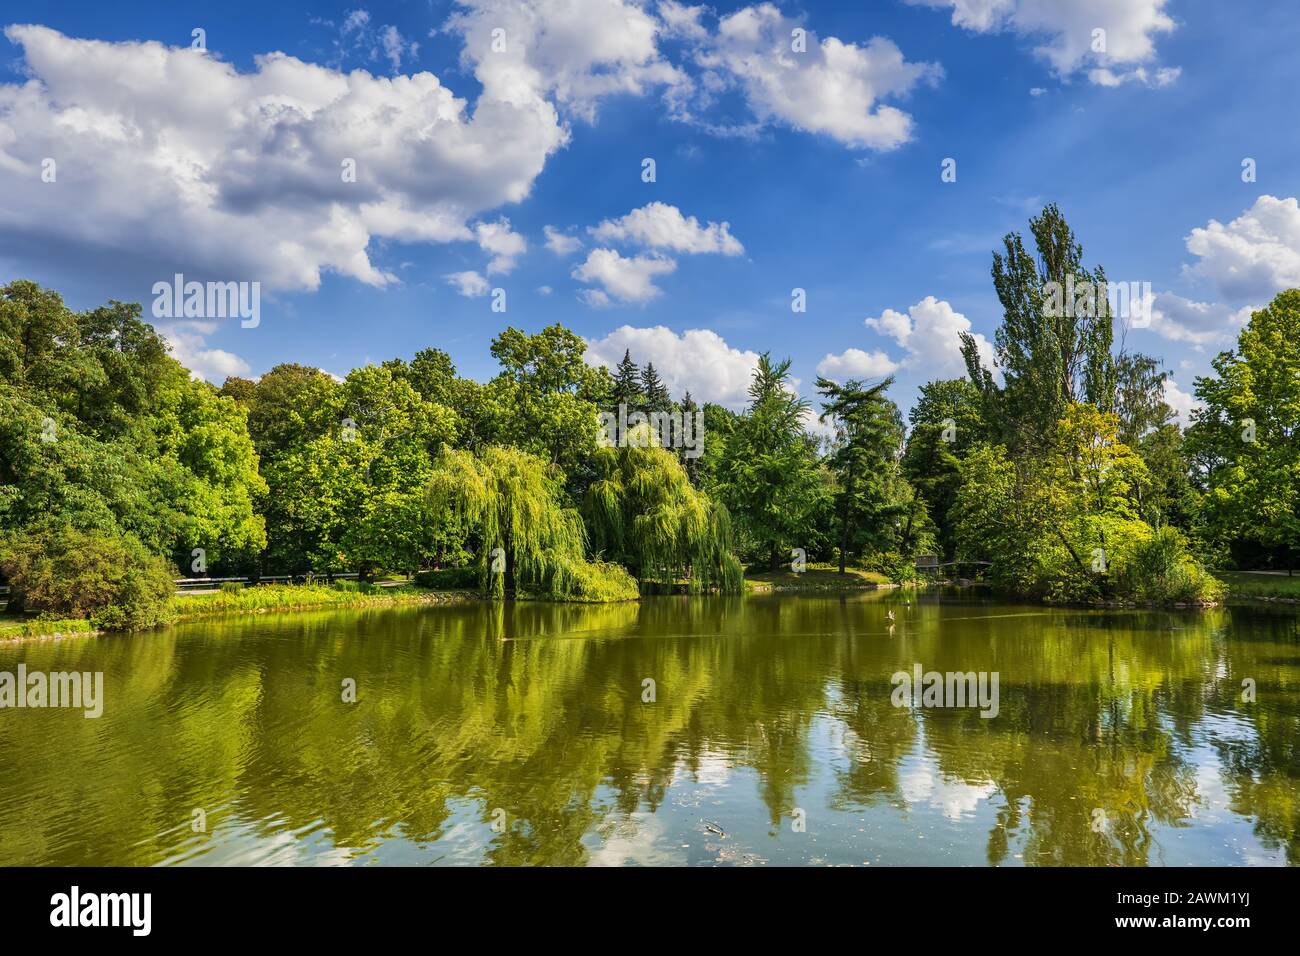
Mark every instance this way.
x=242 y=390
x=528 y=542
x=645 y=514
x=1146 y=424
x=1171 y=498
x=705 y=469
x=1054 y=344
x=691 y=463
x=346 y=494
x=1139 y=397
x=1065 y=526
x=292 y=405
x=1245 y=438
x=863 y=456
x=431 y=373
x=769 y=477
x=654 y=390
x=111 y=579
x=626 y=387
x=546 y=398
x=946 y=425
x=104 y=430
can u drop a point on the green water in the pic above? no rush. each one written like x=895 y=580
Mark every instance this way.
x=517 y=734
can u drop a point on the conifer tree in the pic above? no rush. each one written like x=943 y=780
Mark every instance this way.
x=627 y=382
x=654 y=391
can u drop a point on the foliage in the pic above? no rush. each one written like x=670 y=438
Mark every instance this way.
x=546 y=398
x=1051 y=353
x=448 y=579
x=111 y=580
x=769 y=476
x=1066 y=527
x=1071 y=475
x=1245 y=441
x=626 y=387
x=1080 y=486
x=1160 y=570
x=705 y=469
x=346 y=464
x=656 y=393
x=284 y=597
x=101 y=429
x=946 y=425
x=872 y=498
x=1139 y=397
x=528 y=542
x=644 y=513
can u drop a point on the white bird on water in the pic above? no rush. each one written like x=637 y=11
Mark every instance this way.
x=890 y=615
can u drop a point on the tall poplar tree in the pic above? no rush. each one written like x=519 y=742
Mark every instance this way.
x=1054 y=344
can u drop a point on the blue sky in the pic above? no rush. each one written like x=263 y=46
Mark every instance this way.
x=824 y=165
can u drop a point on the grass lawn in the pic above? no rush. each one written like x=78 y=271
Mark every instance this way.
x=266 y=597
x=13 y=626
x=1255 y=584
x=284 y=597
x=817 y=577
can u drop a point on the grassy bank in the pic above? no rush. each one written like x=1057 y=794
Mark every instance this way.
x=818 y=577
x=1248 y=584
x=15 y=627
x=292 y=597
x=260 y=599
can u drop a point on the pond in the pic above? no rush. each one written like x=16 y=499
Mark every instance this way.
x=768 y=730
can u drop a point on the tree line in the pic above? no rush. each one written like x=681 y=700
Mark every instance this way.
x=1063 y=467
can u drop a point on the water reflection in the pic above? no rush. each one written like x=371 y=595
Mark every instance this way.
x=516 y=734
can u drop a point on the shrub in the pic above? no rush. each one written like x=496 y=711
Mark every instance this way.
x=448 y=579
x=1142 y=564
x=108 y=578
x=898 y=568
x=356 y=587
x=1161 y=569
x=232 y=587
x=591 y=581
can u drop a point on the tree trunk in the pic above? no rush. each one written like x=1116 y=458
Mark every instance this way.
x=509 y=583
x=850 y=487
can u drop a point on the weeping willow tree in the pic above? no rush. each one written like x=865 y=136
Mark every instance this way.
x=528 y=542
x=644 y=513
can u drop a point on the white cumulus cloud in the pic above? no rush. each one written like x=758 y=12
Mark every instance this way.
x=658 y=225
x=178 y=162
x=1183 y=403
x=1198 y=323
x=1253 y=257
x=1067 y=38
x=188 y=342
x=855 y=363
x=930 y=332
x=575 y=51
x=698 y=360
x=625 y=279
x=502 y=243
x=469 y=284
x=682 y=20
x=559 y=242
x=832 y=87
